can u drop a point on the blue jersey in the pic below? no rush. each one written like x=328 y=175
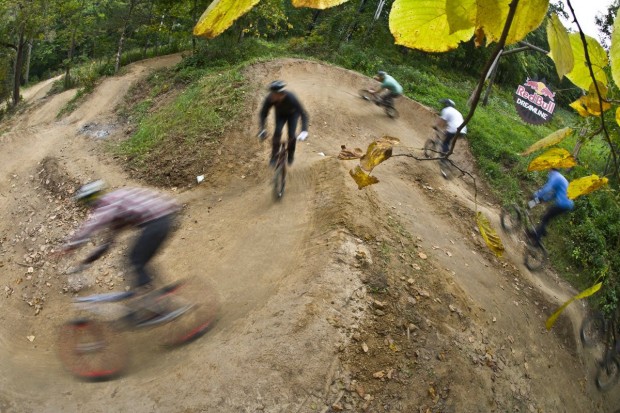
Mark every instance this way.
x=555 y=189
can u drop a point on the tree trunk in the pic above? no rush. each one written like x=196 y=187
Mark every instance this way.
x=195 y=20
x=19 y=63
x=27 y=74
x=70 y=60
x=360 y=10
x=121 y=40
x=315 y=18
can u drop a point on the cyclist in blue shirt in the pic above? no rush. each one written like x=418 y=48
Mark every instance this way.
x=554 y=190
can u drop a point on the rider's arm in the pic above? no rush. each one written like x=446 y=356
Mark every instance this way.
x=101 y=218
x=300 y=109
x=547 y=191
x=267 y=104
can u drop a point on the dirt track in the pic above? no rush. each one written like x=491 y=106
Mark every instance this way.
x=297 y=279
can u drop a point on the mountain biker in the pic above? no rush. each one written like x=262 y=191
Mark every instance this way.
x=390 y=88
x=150 y=212
x=555 y=189
x=288 y=110
x=453 y=120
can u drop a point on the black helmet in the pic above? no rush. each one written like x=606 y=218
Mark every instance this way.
x=277 y=86
x=89 y=192
x=381 y=73
x=447 y=102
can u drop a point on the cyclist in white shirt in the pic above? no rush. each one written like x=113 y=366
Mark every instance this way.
x=453 y=120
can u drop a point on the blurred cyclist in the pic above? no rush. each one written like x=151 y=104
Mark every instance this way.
x=149 y=211
x=554 y=190
x=390 y=88
x=288 y=110
x=453 y=120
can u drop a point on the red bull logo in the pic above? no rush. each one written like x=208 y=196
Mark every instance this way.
x=535 y=102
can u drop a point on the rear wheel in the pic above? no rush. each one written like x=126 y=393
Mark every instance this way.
x=535 y=257
x=391 y=111
x=592 y=330
x=430 y=148
x=511 y=218
x=608 y=373
x=92 y=350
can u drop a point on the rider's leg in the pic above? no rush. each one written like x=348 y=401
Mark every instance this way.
x=292 y=138
x=153 y=235
x=277 y=136
x=551 y=213
x=445 y=146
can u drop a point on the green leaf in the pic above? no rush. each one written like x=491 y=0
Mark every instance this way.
x=318 y=4
x=423 y=25
x=551 y=139
x=492 y=14
x=220 y=15
x=561 y=51
x=580 y=75
x=614 y=52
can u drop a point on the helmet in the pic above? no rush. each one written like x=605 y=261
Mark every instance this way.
x=89 y=192
x=277 y=86
x=447 y=102
x=381 y=73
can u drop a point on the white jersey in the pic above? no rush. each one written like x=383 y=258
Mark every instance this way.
x=453 y=119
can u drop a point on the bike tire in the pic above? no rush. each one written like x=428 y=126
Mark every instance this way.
x=511 y=218
x=92 y=350
x=279 y=180
x=535 y=257
x=592 y=330
x=200 y=317
x=391 y=111
x=608 y=373
x=445 y=167
x=430 y=149
x=366 y=95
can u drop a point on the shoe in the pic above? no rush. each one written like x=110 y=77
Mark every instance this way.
x=291 y=158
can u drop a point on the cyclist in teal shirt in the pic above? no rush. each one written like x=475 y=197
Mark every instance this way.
x=390 y=88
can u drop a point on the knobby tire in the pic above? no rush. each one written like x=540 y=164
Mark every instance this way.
x=511 y=218
x=608 y=373
x=592 y=331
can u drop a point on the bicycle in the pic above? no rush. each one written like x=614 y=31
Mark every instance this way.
x=92 y=347
x=596 y=329
x=515 y=218
x=432 y=150
x=373 y=97
x=279 y=177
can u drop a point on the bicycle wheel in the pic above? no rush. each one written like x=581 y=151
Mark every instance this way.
x=535 y=257
x=366 y=95
x=279 y=180
x=200 y=307
x=430 y=148
x=391 y=111
x=511 y=218
x=608 y=373
x=445 y=167
x=92 y=350
x=592 y=330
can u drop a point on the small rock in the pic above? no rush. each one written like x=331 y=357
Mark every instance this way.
x=422 y=255
x=30 y=338
x=365 y=347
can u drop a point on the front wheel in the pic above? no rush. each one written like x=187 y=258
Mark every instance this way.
x=511 y=218
x=279 y=181
x=608 y=373
x=92 y=350
x=366 y=95
x=592 y=330
x=535 y=257
x=430 y=148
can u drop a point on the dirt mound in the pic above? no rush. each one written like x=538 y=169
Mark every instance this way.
x=333 y=299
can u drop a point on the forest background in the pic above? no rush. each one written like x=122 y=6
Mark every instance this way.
x=84 y=40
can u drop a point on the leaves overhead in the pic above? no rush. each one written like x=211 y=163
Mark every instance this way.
x=614 y=52
x=580 y=75
x=220 y=15
x=318 y=4
x=585 y=293
x=551 y=139
x=560 y=50
x=489 y=234
x=585 y=185
x=423 y=25
x=553 y=158
x=492 y=15
x=362 y=178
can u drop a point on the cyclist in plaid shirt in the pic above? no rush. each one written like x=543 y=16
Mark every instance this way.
x=150 y=211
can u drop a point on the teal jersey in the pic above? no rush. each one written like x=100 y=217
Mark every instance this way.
x=392 y=85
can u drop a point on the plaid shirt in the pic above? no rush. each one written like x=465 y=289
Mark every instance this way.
x=122 y=208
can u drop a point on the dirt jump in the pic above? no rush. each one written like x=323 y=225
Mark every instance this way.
x=332 y=299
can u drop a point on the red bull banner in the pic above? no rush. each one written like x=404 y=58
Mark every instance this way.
x=534 y=101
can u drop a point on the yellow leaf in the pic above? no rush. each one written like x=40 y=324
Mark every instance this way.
x=318 y=4
x=461 y=14
x=551 y=139
x=553 y=158
x=490 y=236
x=377 y=152
x=362 y=178
x=580 y=106
x=618 y=116
x=586 y=293
x=492 y=14
x=560 y=50
x=423 y=25
x=614 y=52
x=592 y=103
x=585 y=185
x=220 y=15
x=580 y=75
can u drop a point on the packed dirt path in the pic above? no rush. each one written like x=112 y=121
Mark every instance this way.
x=333 y=299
